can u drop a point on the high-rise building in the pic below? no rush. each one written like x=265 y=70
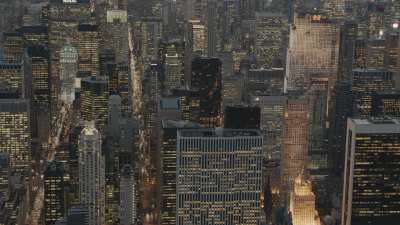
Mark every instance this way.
x=206 y=81
x=376 y=53
x=242 y=117
x=88 y=49
x=211 y=27
x=39 y=63
x=173 y=66
x=94 y=98
x=219 y=172
x=116 y=34
x=342 y=109
x=302 y=203
x=168 y=155
x=370 y=192
x=12 y=77
x=13 y=48
x=313 y=50
x=127 y=196
x=78 y=215
x=92 y=174
x=195 y=36
x=68 y=73
x=270 y=36
x=15 y=133
x=35 y=35
x=4 y=176
x=386 y=104
x=55 y=183
x=364 y=83
x=294 y=142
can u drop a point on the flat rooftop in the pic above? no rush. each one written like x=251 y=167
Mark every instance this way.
x=374 y=125
x=218 y=133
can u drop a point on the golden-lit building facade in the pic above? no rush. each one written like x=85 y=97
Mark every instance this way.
x=12 y=77
x=371 y=185
x=15 y=133
x=88 y=49
x=13 y=47
x=313 y=50
x=40 y=65
x=302 y=203
x=294 y=142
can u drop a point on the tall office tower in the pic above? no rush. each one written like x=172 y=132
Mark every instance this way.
x=93 y=99
x=348 y=35
x=265 y=81
x=364 y=83
x=114 y=116
x=195 y=45
x=91 y=174
x=294 y=142
x=318 y=100
x=63 y=20
x=271 y=123
x=39 y=63
x=342 y=99
x=392 y=55
x=386 y=104
x=211 y=27
x=12 y=77
x=88 y=49
x=376 y=52
x=13 y=48
x=370 y=179
x=116 y=34
x=68 y=73
x=229 y=163
x=4 y=176
x=232 y=90
x=242 y=117
x=270 y=37
x=168 y=158
x=169 y=17
x=35 y=35
x=55 y=184
x=206 y=80
x=360 y=53
x=127 y=196
x=151 y=34
x=173 y=66
x=377 y=13
x=302 y=203
x=15 y=133
x=313 y=51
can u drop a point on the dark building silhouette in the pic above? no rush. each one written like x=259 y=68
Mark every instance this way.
x=242 y=117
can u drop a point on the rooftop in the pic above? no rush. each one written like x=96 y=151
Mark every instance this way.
x=218 y=133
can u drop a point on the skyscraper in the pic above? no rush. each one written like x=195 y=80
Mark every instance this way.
x=294 y=142
x=302 y=203
x=313 y=50
x=364 y=83
x=219 y=172
x=168 y=155
x=15 y=133
x=127 y=196
x=92 y=174
x=55 y=202
x=39 y=62
x=88 y=49
x=206 y=81
x=68 y=73
x=12 y=77
x=271 y=31
x=94 y=101
x=370 y=192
